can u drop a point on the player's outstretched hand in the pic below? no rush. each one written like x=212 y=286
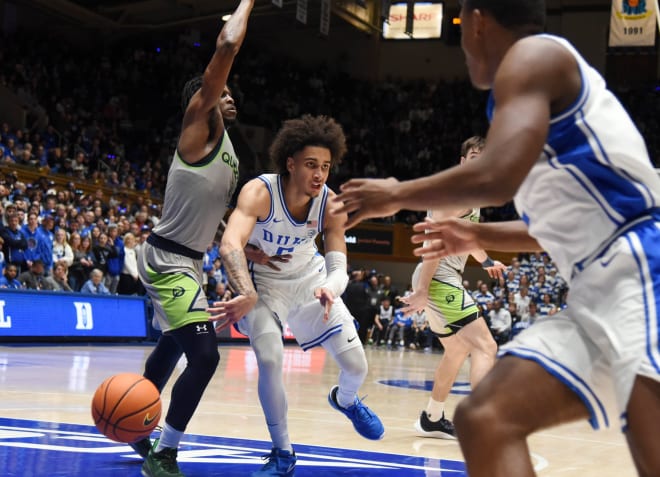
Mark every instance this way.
x=226 y=313
x=497 y=270
x=445 y=237
x=326 y=298
x=256 y=255
x=366 y=198
x=415 y=302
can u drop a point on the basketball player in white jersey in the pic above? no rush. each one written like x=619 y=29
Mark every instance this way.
x=282 y=214
x=200 y=183
x=453 y=316
x=565 y=149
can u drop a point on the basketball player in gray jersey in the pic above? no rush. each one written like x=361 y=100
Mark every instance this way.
x=282 y=214
x=200 y=183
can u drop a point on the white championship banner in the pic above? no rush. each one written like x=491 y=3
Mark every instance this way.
x=633 y=23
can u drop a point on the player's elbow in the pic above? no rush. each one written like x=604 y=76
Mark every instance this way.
x=227 y=45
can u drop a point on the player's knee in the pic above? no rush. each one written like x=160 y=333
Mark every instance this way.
x=475 y=417
x=205 y=359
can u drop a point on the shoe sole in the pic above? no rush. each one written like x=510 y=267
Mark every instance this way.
x=435 y=434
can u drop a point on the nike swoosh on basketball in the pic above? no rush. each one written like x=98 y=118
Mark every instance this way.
x=351 y=339
x=277 y=220
x=147 y=421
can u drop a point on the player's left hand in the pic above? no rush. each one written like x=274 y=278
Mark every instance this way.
x=366 y=198
x=326 y=298
x=256 y=255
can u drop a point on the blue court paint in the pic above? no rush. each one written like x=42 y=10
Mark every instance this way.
x=459 y=387
x=37 y=448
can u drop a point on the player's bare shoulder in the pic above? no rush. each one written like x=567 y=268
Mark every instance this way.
x=255 y=197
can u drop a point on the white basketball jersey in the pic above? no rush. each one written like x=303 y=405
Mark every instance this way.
x=592 y=179
x=280 y=233
x=448 y=266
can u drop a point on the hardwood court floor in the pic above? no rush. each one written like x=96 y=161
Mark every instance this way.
x=56 y=383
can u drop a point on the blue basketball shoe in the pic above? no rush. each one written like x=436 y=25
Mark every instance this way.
x=365 y=422
x=280 y=463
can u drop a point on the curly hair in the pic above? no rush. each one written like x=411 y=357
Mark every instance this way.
x=189 y=89
x=296 y=134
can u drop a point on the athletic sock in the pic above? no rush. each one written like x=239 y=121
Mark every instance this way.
x=169 y=438
x=279 y=434
x=435 y=410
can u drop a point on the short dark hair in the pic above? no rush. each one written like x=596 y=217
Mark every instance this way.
x=523 y=16
x=189 y=89
x=296 y=134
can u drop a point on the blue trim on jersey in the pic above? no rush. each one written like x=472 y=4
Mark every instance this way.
x=317 y=341
x=272 y=207
x=293 y=221
x=570 y=149
x=649 y=242
x=324 y=200
x=570 y=379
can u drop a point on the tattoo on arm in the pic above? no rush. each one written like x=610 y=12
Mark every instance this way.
x=238 y=274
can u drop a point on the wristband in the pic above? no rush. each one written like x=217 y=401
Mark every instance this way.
x=487 y=263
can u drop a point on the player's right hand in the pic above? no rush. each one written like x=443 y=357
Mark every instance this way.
x=226 y=313
x=445 y=237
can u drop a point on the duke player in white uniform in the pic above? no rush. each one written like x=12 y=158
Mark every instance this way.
x=282 y=214
x=566 y=150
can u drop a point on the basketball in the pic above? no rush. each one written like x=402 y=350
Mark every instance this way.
x=126 y=407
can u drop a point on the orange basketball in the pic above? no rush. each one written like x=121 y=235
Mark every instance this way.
x=126 y=407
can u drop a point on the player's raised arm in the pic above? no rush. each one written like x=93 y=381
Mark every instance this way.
x=196 y=127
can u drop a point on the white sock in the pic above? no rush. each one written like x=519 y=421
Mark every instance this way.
x=169 y=438
x=279 y=434
x=435 y=410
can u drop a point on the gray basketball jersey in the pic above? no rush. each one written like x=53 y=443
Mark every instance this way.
x=197 y=196
x=280 y=233
x=455 y=263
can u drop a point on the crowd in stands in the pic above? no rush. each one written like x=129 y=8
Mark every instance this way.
x=530 y=289
x=110 y=115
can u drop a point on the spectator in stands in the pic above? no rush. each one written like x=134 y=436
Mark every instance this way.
x=9 y=280
x=357 y=301
x=382 y=320
x=102 y=251
x=38 y=247
x=219 y=293
x=15 y=243
x=33 y=279
x=547 y=307
x=422 y=337
x=129 y=283
x=115 y=262
x=83 y=260
x=95 y=284
x=59 y=280
x=500 y=322
x=62 y=251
